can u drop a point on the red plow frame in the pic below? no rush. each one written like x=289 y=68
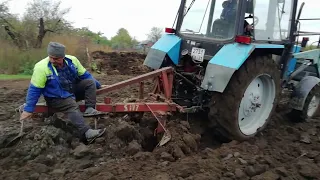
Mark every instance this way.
x=159 y=106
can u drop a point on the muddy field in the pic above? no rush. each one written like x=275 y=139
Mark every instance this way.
x=120 y=63
x=284 y=150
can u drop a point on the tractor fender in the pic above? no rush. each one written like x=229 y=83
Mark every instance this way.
x=168 y=44
x=301 y=91
x=226 y=61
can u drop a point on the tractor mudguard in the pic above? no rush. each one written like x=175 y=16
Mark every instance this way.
x=168 y=44
x=301 y=92
x=227 y=60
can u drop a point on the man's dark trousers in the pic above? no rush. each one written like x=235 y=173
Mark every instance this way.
x=83 y=90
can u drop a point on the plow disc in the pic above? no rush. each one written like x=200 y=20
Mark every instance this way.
x=165 y=138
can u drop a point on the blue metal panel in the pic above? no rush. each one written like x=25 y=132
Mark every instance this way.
x=293 y=61
x=311 y=54
x=234 y=55
x=170 y=44
x=268 y=46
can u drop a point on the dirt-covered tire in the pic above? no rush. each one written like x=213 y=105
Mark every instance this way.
x=311 y=107
x=261 y=77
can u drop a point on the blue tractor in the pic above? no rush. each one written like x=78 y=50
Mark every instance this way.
x=234 y=59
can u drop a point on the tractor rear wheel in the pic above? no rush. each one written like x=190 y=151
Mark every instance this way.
x=249 y=100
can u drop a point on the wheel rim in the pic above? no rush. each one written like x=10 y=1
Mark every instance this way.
x=256 y=104
x=313 y=106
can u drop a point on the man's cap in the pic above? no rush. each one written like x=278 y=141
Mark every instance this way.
x=56 y=49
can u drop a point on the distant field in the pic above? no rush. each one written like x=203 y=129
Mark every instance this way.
x=14 y=77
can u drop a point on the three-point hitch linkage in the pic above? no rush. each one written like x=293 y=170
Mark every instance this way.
x=159 y=103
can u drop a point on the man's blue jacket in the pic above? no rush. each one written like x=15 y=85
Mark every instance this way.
x=45 y=80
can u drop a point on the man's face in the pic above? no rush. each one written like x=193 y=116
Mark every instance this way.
x=56 y=61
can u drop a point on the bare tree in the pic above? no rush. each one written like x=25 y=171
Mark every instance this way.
x=49 y=15
x=155 y=34
x=41 y=17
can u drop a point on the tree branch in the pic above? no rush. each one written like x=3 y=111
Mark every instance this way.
x=7 y=22
x=48 y=30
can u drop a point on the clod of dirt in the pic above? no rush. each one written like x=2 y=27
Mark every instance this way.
x=48 y=160
x=34 y=176
x=267 y=160
x=250 y=171
x=282 y=171
x=126 y=132
x=81 y=151
x=227 y=157
x=252 y=161
x=229 y=174
x=92 y=171
x=312 y=131
x=243 y=162
x=269 y=175
x=85 y=164
x=236 y=154
x=133 y=147
x=163 y=176
x=239 y=173
x=191 y=141
x=313 y=154
x=105 y=176
x=37 y=167
x=142 y=156
x=260 y=168
x=177 y=152
x=38 y=141
x=115 y=72
x=182 y=143
x=185 y=124
x=167 y=157
x=317 y=159
x=310 y=171
x=305 y=137
x=58 y=172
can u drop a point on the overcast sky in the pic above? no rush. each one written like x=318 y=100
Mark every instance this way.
x=138 y=16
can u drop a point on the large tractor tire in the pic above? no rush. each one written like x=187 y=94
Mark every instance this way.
x=249 y=100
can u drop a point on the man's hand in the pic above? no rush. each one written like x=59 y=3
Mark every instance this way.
x=25 y=115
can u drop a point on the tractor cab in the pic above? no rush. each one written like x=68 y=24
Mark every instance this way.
x=224 y=19
x=210 y=19
x=203 y=27
x=209 y=24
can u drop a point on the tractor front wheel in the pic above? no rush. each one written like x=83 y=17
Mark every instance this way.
x=310 y=109
x=249 y=100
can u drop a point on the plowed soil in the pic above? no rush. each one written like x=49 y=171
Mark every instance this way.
x=124 y=63
x=285 y=150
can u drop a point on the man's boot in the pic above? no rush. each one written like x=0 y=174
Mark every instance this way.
x=92 y=134
x=92 y=112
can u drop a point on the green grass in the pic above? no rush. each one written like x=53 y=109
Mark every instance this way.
x=14 y=77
